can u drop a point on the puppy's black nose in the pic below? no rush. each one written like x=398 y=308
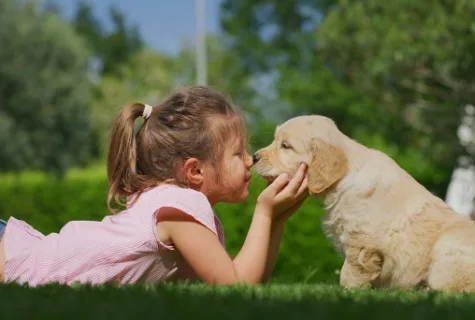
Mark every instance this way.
x=255 y=158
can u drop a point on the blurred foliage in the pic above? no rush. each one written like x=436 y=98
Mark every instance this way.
x=44 y=91
x=113 y=48
x=416 y=60
x=392 y=78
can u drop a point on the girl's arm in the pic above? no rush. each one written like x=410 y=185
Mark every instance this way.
x=201 y=248
x=274 y=246
x=276 y=236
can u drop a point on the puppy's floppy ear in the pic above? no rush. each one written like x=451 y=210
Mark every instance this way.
x=329 y=164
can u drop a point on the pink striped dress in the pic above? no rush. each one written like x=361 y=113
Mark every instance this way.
x=122 y=248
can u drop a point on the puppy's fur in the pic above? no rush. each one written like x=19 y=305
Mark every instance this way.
x=392 y=231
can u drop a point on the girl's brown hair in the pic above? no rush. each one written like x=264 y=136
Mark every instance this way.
x=192 y=123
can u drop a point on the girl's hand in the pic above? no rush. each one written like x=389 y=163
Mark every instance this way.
x=283 y=197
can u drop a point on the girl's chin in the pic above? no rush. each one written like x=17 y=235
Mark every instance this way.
x=242 y=197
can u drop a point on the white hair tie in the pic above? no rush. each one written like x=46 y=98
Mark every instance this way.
x=147 y=111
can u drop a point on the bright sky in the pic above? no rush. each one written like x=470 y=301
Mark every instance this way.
x=164 y=24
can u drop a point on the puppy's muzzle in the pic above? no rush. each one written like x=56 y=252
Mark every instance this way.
x=255 y=158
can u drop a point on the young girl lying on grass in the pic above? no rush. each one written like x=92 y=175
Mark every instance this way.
x=189 y=154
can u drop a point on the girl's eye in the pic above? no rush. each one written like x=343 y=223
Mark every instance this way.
x=285 y=145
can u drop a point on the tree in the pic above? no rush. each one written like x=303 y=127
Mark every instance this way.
x=44 y=92
x=146 y=78
x=111 y=49
x=121 y=65
x=276 y=40
x=415 y=59
x=266 y=34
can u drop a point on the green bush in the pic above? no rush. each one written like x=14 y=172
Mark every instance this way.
x=47 y=204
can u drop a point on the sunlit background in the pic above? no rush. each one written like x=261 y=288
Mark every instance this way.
x=394 y=75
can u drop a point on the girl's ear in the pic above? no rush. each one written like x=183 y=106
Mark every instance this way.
x=193 y=171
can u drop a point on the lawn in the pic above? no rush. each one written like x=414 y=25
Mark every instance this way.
x=192 y=301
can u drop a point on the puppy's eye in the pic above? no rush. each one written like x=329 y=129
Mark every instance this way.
x=285 y=145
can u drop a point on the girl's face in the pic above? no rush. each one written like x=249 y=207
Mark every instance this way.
x=231 y=180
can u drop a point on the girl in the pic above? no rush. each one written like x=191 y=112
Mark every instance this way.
x=188 y=155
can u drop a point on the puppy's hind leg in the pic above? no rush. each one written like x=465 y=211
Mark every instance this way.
x=361 y=267
x=452 y=275
x=453 y=266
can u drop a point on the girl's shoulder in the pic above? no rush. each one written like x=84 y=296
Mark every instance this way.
x=189 y=201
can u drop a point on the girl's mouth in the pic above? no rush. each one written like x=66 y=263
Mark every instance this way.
x=247 y=178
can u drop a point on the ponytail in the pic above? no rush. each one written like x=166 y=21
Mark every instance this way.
x=122 y=156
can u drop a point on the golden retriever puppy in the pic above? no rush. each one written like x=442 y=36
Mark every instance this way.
x=391 y=230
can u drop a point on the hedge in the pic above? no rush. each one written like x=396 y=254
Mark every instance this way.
x=306 y=255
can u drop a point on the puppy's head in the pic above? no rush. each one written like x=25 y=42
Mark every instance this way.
x=314 y=140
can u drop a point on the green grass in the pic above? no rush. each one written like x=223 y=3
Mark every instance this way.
x=194 y=301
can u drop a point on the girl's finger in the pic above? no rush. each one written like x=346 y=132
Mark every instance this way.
x=279 y=183
x=303 y=189
x=297 y=180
